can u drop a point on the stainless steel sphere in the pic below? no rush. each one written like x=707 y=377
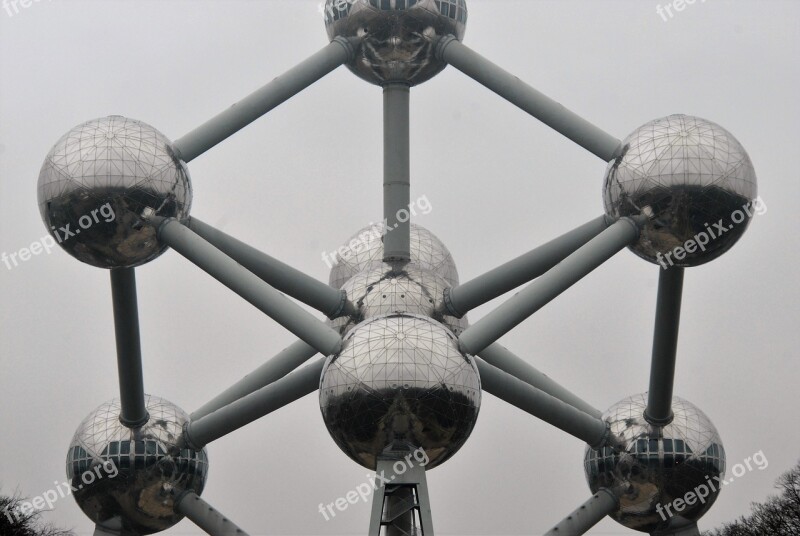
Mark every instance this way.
x=658 y=465
x=400 y=382
x=124 y=478
x=100 y=180
x=693 y=179
x=364 y=250
x=398 y=35
x=395 y=288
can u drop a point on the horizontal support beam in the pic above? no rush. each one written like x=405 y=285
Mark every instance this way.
x=551 y=410
x=274 y=369
x=665 y=346
x=293 y=386
x=484 y=288
x=586 y=515
x=544 y=289
x=500 y=357
x=313 y=292
x=247 y=285
x=279 y=90
x=129 y=347
x=205 y=516
x=452 y=51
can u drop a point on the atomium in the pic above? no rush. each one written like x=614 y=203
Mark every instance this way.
x=657 y=464
x=394 y=375
x=128 y=478
x=690 y=176
x=400 y=382
x=398 y=36
x=99 y=183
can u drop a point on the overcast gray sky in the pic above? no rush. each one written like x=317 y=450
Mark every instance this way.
x=302 y=179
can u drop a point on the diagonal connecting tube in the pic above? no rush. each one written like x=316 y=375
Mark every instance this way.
x=278 y=91
x=452 y=51
x=539 y=293
x=247 y=285
x=313 y=292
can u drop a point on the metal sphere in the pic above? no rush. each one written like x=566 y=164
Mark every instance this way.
x=364 y=250
x=659 y=464
x=396 y=288
x=400 y=382
x=399 y=36
x=98 y=183
x=128 y=478
x=687 y=174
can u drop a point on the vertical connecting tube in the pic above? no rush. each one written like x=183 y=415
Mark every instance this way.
x=396 y=173
x=129 y=348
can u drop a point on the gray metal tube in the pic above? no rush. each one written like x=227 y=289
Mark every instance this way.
x=665 y=346
x=247 y=285
x=462 y=299
x=243 y=411
x=542 y=107
x=396 y=173
x=587 y=515
x=129 y=349
x=313 y=292
x=205 y=516
x=541 y=405
x=279 y=90
x=500 y=357
x=103 y=531
x=539 y=293
x=274 y=369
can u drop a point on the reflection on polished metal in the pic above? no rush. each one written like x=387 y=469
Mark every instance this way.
x=400 y=382
x=397 y=288
x=125 y=478
x=364 y=250
x=398 y=35
x=101 y=180
x=690 y=176
x=657 y=464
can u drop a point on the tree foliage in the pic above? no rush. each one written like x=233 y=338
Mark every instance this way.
x=779 y=515
x=13 y=522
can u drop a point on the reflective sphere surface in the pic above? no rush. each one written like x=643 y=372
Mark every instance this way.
x=398 y=35
x=125 y=476
x=98 y=182
x=364 y=250
x=397 y=289
x=400 y=382
x=695 y=178
x=658 y=465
